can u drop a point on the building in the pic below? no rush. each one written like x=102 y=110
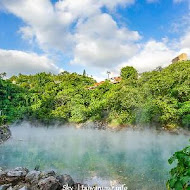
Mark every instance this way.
x=181 y=57
x=95 y=85
x=115 y=80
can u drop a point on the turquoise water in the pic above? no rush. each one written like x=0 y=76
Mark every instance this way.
x=135 y=158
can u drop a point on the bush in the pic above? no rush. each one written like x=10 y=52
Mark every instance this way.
x=180 y=175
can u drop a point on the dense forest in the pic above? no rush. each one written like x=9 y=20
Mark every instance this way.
x=160 y=97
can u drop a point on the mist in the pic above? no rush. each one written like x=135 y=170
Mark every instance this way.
x=135 y=158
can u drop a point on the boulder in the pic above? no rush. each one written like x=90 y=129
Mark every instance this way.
x=13 y=176
x=5 y=133
x=65 y=180
x=17 y=172
x=33 y=177
x=9 y=188
x=3 y=177
x=47 y=174
x=20 y=186
x=50 y=183
x=22 y=179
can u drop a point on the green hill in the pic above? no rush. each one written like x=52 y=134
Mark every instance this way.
x=159 y=98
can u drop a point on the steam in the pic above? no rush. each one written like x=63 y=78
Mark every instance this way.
x=136 y=158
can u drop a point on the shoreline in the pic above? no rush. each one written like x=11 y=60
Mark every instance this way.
x=5 y=130
x=102 y=125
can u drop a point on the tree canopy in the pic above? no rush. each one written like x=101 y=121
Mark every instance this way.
x=160 y=97
x=129 y=73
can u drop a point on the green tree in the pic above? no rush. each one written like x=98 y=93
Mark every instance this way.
x=129 y=73
x=158 y=97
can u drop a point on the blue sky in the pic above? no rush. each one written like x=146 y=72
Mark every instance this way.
x=96 y=35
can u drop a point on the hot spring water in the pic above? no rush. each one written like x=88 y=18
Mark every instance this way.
x=135 y=158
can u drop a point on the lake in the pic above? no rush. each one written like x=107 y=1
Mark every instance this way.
x=135 y=158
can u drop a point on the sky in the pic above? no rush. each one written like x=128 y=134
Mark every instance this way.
x=95 y=35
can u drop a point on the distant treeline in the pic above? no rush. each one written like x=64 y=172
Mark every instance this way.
x=160 y=97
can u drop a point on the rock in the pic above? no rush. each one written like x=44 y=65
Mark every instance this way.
x=10 y=188
x=3 y=178
x=2 y=173
x=50 y=183
x=13 y=176
x=22 y=179
x=33 y=177
x=65 y=180
x=20 y=186
x=5 y=133
x=17 y=172
x=47 y=174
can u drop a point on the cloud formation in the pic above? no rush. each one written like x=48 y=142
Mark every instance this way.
x=152 y=55
x=14 y=62
x=80 y=27
x=185 y=40
x=90 y=36
x=101 y=43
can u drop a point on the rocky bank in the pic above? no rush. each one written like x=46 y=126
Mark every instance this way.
x=5 y=133
x=22 y=179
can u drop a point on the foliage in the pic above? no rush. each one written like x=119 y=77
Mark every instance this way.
x=13 y=102
x=160 y=97
x=180 y=175
x=129 y=73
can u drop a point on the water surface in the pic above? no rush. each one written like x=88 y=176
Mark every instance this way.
x=135 y=158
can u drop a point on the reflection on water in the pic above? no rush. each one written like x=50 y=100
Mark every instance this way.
x=138 y=159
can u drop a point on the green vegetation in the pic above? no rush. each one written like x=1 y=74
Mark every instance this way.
x=160 y=97
x=129 y=73
x=180 y=175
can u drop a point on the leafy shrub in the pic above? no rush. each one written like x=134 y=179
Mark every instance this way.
x=180 y=175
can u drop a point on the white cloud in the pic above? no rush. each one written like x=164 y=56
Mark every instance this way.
x=100 y=43
x=184 y=43
x=94 y=39
x=51 y=25
x=14 y=62
x=42 y=23
x=79 y=27
x=152 y=55
x=185 y=40
x=85 y=8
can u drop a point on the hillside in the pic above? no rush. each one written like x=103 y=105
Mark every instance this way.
x=158 y=97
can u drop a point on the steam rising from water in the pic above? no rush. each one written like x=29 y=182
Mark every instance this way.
x=136 y=158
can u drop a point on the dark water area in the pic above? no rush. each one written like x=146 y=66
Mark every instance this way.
x=135 y=158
